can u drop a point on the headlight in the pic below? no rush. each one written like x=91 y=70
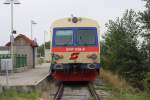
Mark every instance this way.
x=57 y=57
x=92 y=56
x=58 y=66
x=74 y=19
x=91 y=66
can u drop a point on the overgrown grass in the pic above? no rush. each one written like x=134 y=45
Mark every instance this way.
x=13 y=95
x=91 y=98
x=120 y=89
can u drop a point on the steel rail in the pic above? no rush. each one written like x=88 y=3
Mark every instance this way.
x=59 y=93
x=93 y=92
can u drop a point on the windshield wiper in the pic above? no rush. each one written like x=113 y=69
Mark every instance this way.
x=85 y=44
x=67 y=43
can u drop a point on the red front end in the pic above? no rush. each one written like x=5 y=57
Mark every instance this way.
x=89 y=75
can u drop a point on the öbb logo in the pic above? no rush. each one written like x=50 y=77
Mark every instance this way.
x=74 y=56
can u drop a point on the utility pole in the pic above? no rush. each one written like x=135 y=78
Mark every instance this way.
x=32 y=23
x=12 y=2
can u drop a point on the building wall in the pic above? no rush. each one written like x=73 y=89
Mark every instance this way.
x=4 y=52
x=22 y=47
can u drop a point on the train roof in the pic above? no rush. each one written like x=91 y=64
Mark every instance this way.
x=75 y=22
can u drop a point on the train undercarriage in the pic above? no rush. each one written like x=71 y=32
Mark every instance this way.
x=75 y=72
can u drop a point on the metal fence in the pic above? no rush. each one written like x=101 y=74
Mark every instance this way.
x=20 y=60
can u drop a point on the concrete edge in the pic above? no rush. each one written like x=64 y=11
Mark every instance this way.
x=38 y=87
x=42 y=79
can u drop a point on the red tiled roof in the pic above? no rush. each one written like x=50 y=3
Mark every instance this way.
x=31 y=42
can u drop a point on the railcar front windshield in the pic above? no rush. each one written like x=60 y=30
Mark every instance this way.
x=64 y=37
x=86 y=37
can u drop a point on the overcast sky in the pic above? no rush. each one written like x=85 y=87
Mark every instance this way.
x=44 y=12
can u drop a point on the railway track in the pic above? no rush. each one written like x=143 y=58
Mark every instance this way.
x=93 y=91
x=80 y=92
x=59 y=92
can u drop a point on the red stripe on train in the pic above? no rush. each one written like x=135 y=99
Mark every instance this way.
x=75 y=49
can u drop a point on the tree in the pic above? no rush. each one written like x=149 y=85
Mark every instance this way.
x=120 y=53
x=144 y=19
x=40 y=49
